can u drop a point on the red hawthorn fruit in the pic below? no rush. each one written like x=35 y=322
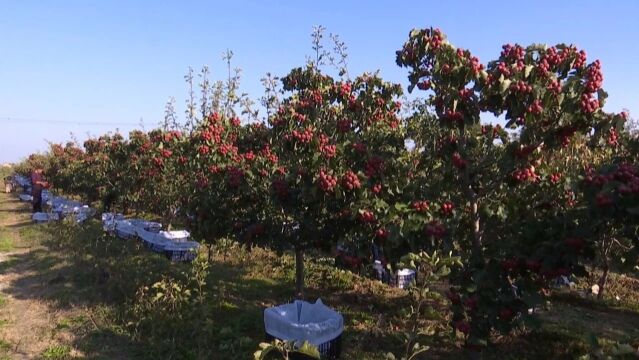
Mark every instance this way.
x=203 y=149
x=447 y=208
x=453 y=297
x=471 y=303
x=235 y=176
x=424 y=85
x=458 y=162
x=350 y=181
x=613 y=137
x=329 y=151
x=159 y=162
x=435 y=229
x=367 y=216
x=555 y=178
x=603 y=200
x=506 y=314
x=377 y=188
x=462 y=326
x=536 y=108
x=382 y=233
x=420 y=205
x=327 y=182
x=533 y=265
x=166 y=153
x=575 y=243
x=509 y=265
x=344 y=125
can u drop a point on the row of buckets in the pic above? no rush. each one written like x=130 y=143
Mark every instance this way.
x=175 y=245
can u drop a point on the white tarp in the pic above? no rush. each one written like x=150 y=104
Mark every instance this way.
x=152 y=240
x=303 y=321
x=109 y=219
x=175 y=235
x=42 y=217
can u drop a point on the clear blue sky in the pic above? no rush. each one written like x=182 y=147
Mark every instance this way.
x=94 y=62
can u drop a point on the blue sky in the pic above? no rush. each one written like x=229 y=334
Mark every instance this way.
x=88 y=67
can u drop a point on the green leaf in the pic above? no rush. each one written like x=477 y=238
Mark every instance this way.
x=504 y=86
x=528 y=70
x=309 y=349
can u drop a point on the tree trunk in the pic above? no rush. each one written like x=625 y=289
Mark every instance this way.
x=603 y=280
x=472 y=197
x=299 y=273
x=477 y=240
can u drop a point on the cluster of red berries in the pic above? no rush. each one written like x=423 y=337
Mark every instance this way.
x=462 y=326
x=224 y=149
x=603 y=200
x=475 y=65
x=435 y=229
x=458 y=162
x=613 y=138
x=166 y=153
x=453 y=117
x=345 y=89
x=503 y=69
x=521 y=87
x=203 y=149
x=420 y=205
x=513 y=52
x=172 y=135
x=423 y=85
x=535 y=108
x=344 y=125
x=580 y=60
x=158 y=161
x=329 y=151
x=376 y=188
x=465 y=93
x=305 y=136
x=554 y=86
x=447 y=208
x=268 y=154
x=299 y=117
x=144 y=147
x=374 y=166
x=435 y=39
x=594 y=77
x=382 y=233
x=235 y=176
x=555 y=178
x=588 y=103
x=280 y=187
x=367 y=216
x=524 y=151
x=249 y=156
x=576 y=243
x=350 y=181
x=525 y=174
x=327 y=182
x=202 y=181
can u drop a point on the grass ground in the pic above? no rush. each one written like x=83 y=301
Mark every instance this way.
x=73 y=292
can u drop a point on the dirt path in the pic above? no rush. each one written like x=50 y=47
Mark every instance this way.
x=29 y=325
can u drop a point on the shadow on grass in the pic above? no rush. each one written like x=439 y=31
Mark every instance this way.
x=83 y=268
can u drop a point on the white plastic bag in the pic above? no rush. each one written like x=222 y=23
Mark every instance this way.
x=303 y=321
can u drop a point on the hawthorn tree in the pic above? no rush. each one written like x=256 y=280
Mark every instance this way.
x=338 y=143
x=547 y=95
x=610 y=217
